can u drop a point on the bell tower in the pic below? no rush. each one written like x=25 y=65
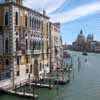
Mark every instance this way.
x=19 y=2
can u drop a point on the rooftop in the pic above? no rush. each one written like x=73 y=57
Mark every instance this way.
x=26 y=8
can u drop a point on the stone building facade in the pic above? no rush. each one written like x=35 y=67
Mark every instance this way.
x=23 y=42
x=56 y=46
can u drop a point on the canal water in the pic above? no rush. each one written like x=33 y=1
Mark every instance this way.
x=84 y=84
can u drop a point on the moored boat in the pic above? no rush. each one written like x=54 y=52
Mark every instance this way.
x=85 y=53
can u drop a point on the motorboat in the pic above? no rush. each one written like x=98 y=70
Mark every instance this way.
x=85 y=53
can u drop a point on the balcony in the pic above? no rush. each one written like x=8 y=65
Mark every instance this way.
x=36 y=51
x=33 y=51
x=19 y=52
x=28 y=52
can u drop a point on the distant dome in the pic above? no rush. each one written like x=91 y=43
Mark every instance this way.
x=81 y=34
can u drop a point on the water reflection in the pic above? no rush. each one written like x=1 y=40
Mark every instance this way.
x=85 y=86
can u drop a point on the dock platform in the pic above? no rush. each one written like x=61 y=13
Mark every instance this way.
x=35 y=96
x=42 y=85
x=21 y=94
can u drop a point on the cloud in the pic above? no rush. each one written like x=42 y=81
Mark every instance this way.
x=76 y=13
x=48 y=5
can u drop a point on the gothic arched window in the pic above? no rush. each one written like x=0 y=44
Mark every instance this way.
x=6 y=45
x=35 y=45
x=16 y=44
x=6 y=18
x=26 y=44
x=30 y=21
x=39 y=45
x=26 y=20
x=16 y=18
x=30 y=68
x=6 y=62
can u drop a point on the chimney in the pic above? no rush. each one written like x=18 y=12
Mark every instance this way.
x=19 y=2
x=44 y=12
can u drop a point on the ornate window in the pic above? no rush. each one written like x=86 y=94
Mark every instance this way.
x=6 y=45
x=34 y=45
x=17 y=60
x=16 y=18
x=38 y=24
x=30 y=68
x=26 y=20
x=26 y=44
x=39 y=45
x=30 y=21
x=27 y=71
x=6 y=18
x=34 y=24
x=17 y=44
x=27 y=60
x=18 y=73
x=6 y=62
x=40 y=66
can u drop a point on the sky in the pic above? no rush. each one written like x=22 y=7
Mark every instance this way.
x=73 y=15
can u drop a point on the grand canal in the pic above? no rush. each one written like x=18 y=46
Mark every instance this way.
x=84 y=84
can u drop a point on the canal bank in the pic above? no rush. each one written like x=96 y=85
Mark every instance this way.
x=85 y=85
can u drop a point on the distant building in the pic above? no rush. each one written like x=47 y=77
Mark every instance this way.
x=81 y=37
x=89 y=42
x=90 y=38
x=56 y=46
x=79 y=43
x=65 y=46
x=93 y=46
x=85 y=44
x=97 y=47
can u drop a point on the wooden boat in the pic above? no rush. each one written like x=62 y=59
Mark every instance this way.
x=85 y=53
